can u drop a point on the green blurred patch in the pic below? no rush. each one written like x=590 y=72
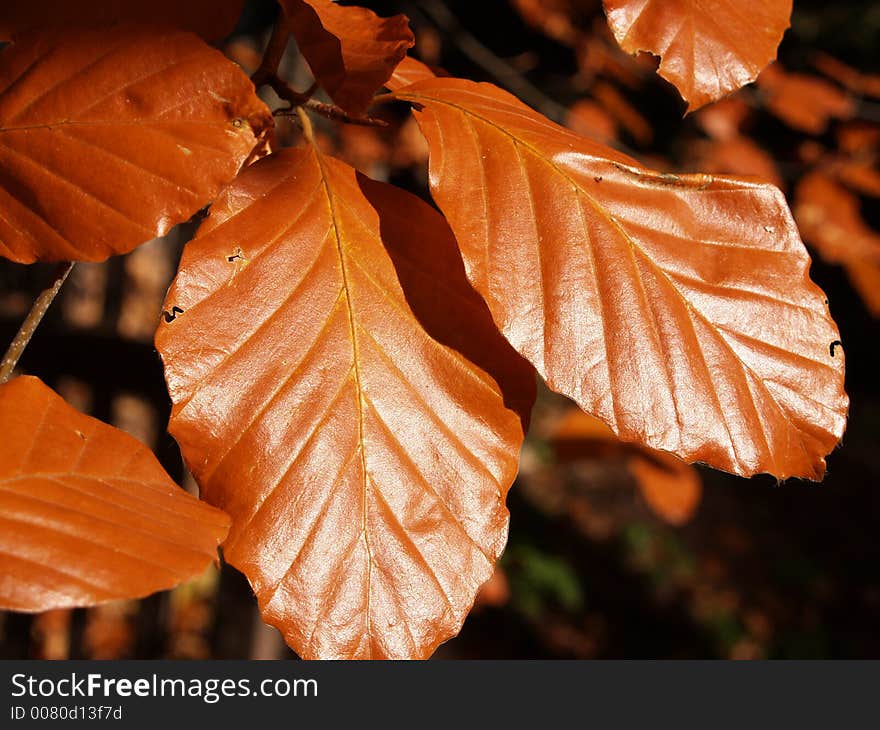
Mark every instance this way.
x=540 y=581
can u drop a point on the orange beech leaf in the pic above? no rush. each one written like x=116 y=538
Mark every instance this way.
x=860 y=84
x=211 y=19
x=803 y=102
x=88 y=515
x=678 y=309
x=669 y=486
x=708 y=48
x=342 y=392
x=724 y=119
x=556 y=18
x=108 y=140
x=830 y=219
x=590 y=119
x=860 y=173
x=409 y=71
x=625 y=113
x=352 y=51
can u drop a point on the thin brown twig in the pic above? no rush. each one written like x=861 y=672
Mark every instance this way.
x=333 y=112
x=286 y=92
x=274 y=51
x=32 y=321
x=442 y=18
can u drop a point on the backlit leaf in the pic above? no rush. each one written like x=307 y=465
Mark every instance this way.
x=708 y=48
x=678 y=309
x=342 y=392
x=352 y=51
x=88 y=515
x=110 y=138
x=211 y=19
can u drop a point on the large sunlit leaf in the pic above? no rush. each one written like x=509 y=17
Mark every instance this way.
x=342 y=392
x=708 y=48
x=109 y=138
x=678 y=309
x=211 y=19
x=87 y=514
x=351 y=50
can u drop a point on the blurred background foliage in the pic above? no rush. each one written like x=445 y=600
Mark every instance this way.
x=614 y=551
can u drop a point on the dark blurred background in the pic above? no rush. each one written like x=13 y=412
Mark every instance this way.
x=611 y=553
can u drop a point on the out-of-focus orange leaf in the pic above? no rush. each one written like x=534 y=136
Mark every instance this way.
x=109 y=141
x=340 y=389
x=410 y=146
x=599 y=55
x=211 y=19
x=362 y=147
x=352 y=51
x=724 y=119
x=723 y=356
x=590 y=119
x=803 y=102
x=857 y=137
x=860 y=84
x=669 y=486
x=88 y=514
x=708 y=48
x=495 y=592
x=625 y=113
x=830 y=220
x=859 y=175
x=561 y=20
x=735 y=156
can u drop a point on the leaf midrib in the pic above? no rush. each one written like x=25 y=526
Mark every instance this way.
x=632 y=244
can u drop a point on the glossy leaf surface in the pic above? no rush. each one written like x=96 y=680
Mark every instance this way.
x=352 y=51
x=88 y=515
x=678 y=309
x=342 y=392
x=108 y=139
x=211 y=19
x=708 y=48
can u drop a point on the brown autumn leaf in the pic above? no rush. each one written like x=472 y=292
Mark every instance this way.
x=724 y=119
x=340 y=389
x=669 y=486
x=855 y=81
x=806 y=103
x=352 y=51
x=830 y=220
x=590 y=119
x=108 y=140
x=211 y=19
x=625 y=113
x=409 y=71
x=708 y=48
x=678 y=309
x=562 y=20
x=88 y=513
